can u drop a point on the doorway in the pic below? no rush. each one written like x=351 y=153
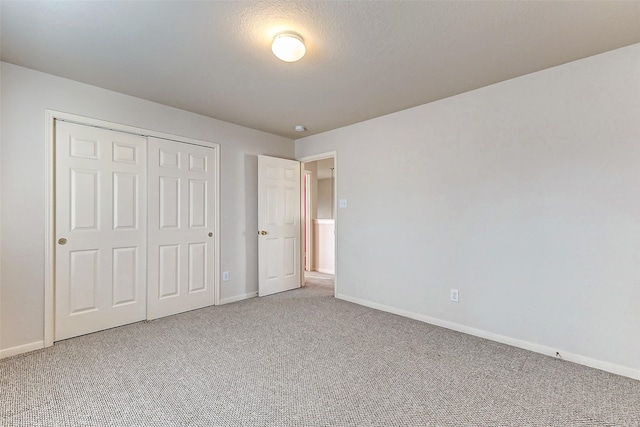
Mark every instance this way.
x=319 y=219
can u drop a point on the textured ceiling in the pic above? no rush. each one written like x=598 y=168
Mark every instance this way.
x=364 y=59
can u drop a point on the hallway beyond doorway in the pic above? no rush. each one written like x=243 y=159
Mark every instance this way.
x=320 y=280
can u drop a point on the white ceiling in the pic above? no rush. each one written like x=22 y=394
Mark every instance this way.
x=364 y=59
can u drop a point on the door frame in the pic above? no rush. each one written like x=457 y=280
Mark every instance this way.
x=306 y=204
x=49 y=166
x=313 y=158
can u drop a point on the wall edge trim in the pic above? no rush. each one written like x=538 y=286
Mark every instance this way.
x=25 y=348
x=590 y=362
x=238 y=298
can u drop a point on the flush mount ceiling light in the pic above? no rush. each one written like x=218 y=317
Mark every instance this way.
x=299 y=128
x=288 y=47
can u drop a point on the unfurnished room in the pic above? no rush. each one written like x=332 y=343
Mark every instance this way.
x=320 y=213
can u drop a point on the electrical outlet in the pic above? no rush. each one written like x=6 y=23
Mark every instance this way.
x=454 y=295
x=225 y=276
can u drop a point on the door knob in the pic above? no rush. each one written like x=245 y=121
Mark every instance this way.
x=264 y=233
x=62 y=241
x=210 y=234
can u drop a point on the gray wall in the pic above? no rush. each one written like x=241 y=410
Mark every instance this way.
x=523 y=195
x=25 y=96
x=324 y=198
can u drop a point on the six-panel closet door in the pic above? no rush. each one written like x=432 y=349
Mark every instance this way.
x=134 y=221
x=100 y=211
x=180 y=227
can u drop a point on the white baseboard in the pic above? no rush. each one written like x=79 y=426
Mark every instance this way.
x=613 y=368
x=238 y=298
x=13 y=351
x=325 y=271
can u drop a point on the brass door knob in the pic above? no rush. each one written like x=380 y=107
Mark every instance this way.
x=264 y=233
x=62 y=241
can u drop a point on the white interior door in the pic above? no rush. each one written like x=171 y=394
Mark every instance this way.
x=279 y=225
x=181 y=226
x=100 y=221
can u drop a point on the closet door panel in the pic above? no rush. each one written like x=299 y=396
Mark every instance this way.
x=100 y=222
x=181 y=227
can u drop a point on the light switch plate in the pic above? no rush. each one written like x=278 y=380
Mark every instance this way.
x=343 y=203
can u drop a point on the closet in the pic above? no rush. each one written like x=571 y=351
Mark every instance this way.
x=134 y=228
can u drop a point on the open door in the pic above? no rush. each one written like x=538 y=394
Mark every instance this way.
x=278 y=225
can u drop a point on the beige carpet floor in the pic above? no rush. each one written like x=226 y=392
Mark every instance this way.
x=303 y=358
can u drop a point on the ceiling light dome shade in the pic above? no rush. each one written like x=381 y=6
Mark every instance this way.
x=288 y=47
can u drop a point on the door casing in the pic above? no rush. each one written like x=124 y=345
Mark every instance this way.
x=306 y=205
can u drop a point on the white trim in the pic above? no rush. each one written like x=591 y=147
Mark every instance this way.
x=0 y=206
x=49 y=229
x=308 y=254
x=303 y=219
x=118 y=127
x=238 y=298
x=325 y=271
x=316 y=157
x=13 y=351
x=537 y=348
x=321 y=156
x=49 y=255
x=217 y=279
x=324 y=221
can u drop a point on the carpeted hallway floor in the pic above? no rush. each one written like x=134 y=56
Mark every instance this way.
x=303 y=358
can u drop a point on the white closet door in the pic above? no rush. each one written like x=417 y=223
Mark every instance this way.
x=100 y=229
x=181 y=226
